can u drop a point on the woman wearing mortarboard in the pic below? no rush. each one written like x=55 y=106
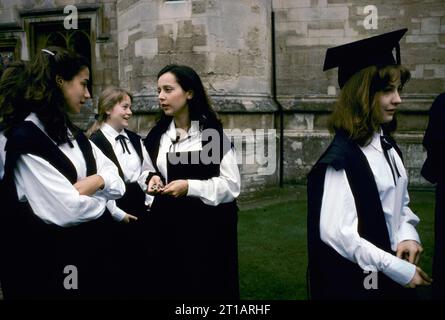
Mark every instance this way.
x=434 y=171
x=362 y=241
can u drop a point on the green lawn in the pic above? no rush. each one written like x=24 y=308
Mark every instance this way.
x=272 y=242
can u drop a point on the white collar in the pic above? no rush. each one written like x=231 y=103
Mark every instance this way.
x=193 y=130
x=35 y=119
x=111 y=132
x=375 y=142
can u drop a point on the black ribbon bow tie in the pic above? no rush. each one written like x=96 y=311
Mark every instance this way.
x=386 y=146
x=121 y=139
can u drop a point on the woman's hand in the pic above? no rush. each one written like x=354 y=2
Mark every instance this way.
x=420 y=279
x=155 y=186
x=89 y=185
x=129 y=218
x=177 y=188
x=410 y=251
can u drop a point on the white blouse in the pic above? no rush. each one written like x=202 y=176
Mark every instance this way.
x=130 y=164
x=52 y=197
x=338 y=217
x=222 y=189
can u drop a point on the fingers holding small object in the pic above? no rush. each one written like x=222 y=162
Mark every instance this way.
x=156 y=188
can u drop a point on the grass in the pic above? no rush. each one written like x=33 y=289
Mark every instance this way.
x=272 y=242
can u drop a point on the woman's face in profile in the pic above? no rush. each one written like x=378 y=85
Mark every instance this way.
x=389 y=99
x=172 y=98
x=76 y=91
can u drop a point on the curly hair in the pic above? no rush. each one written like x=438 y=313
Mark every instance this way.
x=12 y=88
x=357 y=111
x=44 y=97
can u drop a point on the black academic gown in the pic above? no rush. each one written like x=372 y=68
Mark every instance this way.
x=434 y=171
x=129 y=250
x=330 y=275
x=196 y=244
x=34 y=254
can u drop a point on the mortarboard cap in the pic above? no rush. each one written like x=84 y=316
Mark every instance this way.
x=352 y=57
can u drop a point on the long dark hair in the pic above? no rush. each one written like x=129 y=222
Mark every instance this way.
x=357 y=112
x=44 y=97
x=12 y=89
x=200 y=107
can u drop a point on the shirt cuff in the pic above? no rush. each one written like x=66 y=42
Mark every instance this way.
x=118 y=214
x=142 y=179
x=407 y=232
x=106 y=182
x=113 y=188
x=148 y=200
x=400 y=271
x=194 y=188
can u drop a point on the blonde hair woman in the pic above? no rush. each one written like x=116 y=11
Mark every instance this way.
x=125 y=149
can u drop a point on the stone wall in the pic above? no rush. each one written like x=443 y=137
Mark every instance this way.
x=17 y=18
x=229 y=43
